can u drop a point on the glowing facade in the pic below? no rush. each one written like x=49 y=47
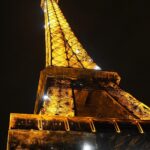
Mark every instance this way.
x=76 y=102
x=62 y=46
x=64 y=50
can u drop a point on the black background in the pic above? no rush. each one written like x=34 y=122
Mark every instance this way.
x=115 y=33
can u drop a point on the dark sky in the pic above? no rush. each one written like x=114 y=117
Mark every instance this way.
x=115 y=33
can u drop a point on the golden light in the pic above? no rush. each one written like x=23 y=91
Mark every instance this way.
x=62 y=46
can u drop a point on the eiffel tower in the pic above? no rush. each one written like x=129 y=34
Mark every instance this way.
x=78 y=106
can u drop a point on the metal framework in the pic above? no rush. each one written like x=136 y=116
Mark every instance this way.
x=85 y=83
x=85 y=124
x=62 y=46
x=76 y=101
x=64 y=50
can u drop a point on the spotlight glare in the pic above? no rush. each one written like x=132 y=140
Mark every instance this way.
x=87 y=146
x=97 y=68
x=45 y=97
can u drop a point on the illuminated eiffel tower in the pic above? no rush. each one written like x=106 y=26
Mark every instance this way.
x=78 y=106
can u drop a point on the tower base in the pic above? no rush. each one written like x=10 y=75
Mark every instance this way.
x=27 y=132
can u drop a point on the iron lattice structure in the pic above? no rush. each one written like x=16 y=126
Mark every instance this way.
x=63 y=49
x=62 y=46
x=77 y=102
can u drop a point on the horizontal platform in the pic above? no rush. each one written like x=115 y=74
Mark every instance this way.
x=84 y=124
x=79 y=73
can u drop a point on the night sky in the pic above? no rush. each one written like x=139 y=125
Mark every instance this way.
x=116 y=35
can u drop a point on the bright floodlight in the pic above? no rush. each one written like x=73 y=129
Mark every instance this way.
x=45 y=97
x=87 y=146
x=97 y=68
x=77 y=51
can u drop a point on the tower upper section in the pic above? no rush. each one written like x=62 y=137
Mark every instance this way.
x=62 y=46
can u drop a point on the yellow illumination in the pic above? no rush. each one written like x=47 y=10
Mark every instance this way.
x=58 y=102
x=62 y=46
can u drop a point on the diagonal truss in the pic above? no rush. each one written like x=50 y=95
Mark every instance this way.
x=64 y=50
x=62 y=46
x=75 y=103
